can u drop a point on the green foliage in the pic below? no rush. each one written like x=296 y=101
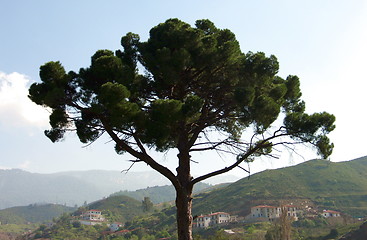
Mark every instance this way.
x=195 y=78
x=160 y=224
x=312 y=128
x=17 y=228
x=147 y=205
x=65 y=228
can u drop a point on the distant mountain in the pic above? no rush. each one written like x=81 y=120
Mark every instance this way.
x=341 y=185
x=20 y=188
x=34 y=213
x=113 y=181
x=160 y=194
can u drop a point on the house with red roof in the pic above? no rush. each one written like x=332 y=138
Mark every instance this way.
x=330 y=213
x=93 y=214
x=92 y=217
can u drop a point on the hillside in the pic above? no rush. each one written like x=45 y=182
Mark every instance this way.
x=341 y=186
x=117 y=208
x=166 y=193
x=33 y=213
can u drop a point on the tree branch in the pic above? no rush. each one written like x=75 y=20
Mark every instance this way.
x=227 y=169
x=143 y=156
x=251 y=150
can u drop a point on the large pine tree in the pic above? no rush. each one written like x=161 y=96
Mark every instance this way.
x=171 y=92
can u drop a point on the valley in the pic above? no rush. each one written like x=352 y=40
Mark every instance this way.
x=314 y=188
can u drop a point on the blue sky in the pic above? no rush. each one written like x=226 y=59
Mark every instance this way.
x=323 y=42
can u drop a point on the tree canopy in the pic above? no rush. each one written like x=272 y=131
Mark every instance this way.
x=173 y=91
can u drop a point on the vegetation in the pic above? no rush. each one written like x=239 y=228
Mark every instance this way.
x=34 y=213
x=65 y=228
x=117 y=208
x=17 y=228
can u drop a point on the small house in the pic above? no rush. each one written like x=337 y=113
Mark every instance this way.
x=115 y=226
x=330 y=213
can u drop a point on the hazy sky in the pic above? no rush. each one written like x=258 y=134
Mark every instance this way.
x=323 y=42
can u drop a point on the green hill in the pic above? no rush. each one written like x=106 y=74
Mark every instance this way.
x=33 y=213
x=118 y=208
x=341 y=186
x=160 y=194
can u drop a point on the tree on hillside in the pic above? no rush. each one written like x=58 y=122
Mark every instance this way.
x=146 y=204
x=185 y=88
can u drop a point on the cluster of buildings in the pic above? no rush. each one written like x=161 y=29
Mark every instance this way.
x=271 y=213
x=258 y=213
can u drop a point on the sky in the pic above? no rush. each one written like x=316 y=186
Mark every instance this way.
x=322 y=42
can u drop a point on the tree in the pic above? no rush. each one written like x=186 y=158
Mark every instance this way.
x=146 y=204
x=172 y=92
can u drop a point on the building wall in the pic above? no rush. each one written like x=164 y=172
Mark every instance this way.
x=270 y=213
x=205 y=221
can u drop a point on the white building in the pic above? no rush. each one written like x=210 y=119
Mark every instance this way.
x=292 y=211
x=204 y=221
x=219 y=218
x=330 y=213
x=270 y=213
x=115 y=226
x=265 y=212
x=93 y=215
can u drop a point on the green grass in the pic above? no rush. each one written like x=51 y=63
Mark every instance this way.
x=17 y=228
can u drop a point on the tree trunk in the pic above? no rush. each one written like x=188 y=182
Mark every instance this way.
x=184 y=215
x=184 y=195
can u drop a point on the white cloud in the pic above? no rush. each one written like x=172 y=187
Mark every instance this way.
x=16 y=109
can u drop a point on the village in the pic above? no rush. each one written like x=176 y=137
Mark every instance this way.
x=260 y=213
